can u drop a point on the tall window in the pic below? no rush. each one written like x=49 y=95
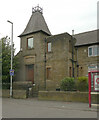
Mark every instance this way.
x=30 y=43
x=49 y=47
x=93 y=50
x=90 y=52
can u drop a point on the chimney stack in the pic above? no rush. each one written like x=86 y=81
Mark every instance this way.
x=72 y=32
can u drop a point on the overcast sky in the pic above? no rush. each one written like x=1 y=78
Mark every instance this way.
x=60 y=15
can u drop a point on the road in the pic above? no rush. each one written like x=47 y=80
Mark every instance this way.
x=34 y=108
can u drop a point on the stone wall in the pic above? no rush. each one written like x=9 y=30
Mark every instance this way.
x=54 y=95
x=84 y=61
x=66 y=96
x=58 y=59
x=37 y=54
x=19 y=94
x=6 y=93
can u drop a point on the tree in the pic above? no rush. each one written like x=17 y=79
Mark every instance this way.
x=6 y=60
x=6 y=53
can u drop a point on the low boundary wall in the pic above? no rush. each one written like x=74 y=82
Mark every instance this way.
x=54 y=95
x=66 y=96
x=19 y=94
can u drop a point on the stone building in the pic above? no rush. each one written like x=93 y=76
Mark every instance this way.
x=87 y=51
x=45 y=59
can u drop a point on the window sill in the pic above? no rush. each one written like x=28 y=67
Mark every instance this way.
x=30 y=48
x=49 y=52
x=94 y=56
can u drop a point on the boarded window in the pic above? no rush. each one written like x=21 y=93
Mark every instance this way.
x=30 y=73
x=48 y=73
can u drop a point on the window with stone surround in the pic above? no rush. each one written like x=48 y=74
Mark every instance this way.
x=30 y=43
x=49 y=47
x=93 y=50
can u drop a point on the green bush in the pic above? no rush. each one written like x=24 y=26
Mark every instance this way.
x=82 y=84
x=67 y=84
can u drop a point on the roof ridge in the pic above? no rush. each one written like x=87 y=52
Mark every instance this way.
x=86 y=32
x=58 y=35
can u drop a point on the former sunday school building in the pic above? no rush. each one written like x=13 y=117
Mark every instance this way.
x=45 y=59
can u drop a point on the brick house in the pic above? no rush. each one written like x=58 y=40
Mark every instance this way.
x=46 y=59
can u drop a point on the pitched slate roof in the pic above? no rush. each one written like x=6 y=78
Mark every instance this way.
x=86 y=38
x=35 y=24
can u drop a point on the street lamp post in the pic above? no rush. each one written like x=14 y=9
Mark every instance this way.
x=11 y=57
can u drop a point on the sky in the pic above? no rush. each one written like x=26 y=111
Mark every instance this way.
x=60 y=15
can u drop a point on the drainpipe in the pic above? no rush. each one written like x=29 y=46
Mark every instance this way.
x=72 y=54
x=45 y=66
x=77 y=64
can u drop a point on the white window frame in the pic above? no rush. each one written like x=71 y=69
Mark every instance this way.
x=88 y=51
x=28 y=43
x=93 y=50
x=49 y=50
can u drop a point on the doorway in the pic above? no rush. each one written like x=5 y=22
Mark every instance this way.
x=30 y=73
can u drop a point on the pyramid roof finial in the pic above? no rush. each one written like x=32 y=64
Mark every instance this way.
x=36 y=23
x=37 y=9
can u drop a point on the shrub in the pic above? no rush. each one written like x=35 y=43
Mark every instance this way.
x=67 y=84
x=82 y=84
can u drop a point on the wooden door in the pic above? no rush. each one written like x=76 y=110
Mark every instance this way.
x=30 y=73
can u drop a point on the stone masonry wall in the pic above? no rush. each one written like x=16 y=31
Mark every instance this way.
x=58 y=60
x=84 y=61
x=38 y=53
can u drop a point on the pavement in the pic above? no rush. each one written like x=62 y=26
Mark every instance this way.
x=34 y=108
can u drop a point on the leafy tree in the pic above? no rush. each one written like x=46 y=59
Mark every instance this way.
x=6 y=60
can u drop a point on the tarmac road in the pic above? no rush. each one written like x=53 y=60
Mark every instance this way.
x=34 y=108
